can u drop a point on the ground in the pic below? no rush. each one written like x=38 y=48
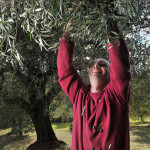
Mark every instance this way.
x=139 y=137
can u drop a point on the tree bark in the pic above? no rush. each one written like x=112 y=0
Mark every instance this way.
x=141 y=118
x=42 y=124
x=46 y=138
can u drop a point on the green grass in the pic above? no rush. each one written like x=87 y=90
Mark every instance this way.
x=139 y=136
x=12 y=142
x=61 y=125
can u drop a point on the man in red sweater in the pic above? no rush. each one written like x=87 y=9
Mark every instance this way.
x=100 y=110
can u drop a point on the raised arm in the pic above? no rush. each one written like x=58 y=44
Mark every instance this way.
x=120 y=67
x=69 y=79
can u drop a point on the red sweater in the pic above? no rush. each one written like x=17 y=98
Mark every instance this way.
x=100 y=120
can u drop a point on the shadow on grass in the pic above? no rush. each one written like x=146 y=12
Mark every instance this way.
x=141 y=130
x=9 y=138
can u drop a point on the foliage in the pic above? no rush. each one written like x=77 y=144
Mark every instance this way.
x=140 y=97
x=41 y=19
x=16 y=119
x=61 y=108
x=11 y=115
x=44 y=21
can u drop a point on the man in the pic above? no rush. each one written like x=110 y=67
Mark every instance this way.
x=100 y=110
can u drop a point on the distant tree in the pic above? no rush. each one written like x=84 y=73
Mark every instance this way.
x=11 y=116
x=140 y=96
x=61 y=108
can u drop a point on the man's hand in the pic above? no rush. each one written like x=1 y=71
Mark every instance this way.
x=69 y=26
x=113 y=29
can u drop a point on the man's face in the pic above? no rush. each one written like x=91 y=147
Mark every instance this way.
x=98 y=70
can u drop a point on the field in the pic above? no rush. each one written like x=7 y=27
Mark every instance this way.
x=139 y=136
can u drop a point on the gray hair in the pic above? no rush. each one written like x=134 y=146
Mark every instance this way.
x=106 y=62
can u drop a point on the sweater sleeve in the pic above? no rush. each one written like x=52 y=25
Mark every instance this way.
x=69 y=79
x=120 y=68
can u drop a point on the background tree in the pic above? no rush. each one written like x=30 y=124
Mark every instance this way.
x=61 y=109
x=140 y=97
x=11 y=116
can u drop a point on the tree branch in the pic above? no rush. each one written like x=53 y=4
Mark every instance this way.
x=21 y=103
x=53 y=93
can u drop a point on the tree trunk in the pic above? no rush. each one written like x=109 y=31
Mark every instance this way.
x=16 y=128
x=43 y=127
x=142 y=119
x=46 y=138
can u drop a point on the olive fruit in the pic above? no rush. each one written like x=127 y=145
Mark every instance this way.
x=98 y=6
x=112 y=5
x=109 y=24
x=53 y=28
x=84 y=7
x=106 y=8
x=116 y=12
x=127 y=24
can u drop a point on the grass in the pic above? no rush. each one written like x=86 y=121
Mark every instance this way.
x=12 y=142
x=139 y=136
x=61 y=125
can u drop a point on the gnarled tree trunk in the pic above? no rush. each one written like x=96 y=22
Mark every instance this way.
x=43 y=126
x=46 y=138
